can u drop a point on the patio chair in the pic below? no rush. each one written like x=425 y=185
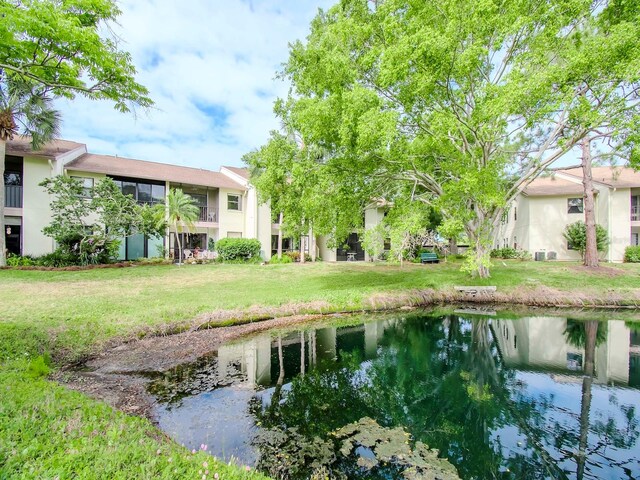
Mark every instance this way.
x=187 y=254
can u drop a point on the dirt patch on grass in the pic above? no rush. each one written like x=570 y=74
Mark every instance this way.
x=601 y=271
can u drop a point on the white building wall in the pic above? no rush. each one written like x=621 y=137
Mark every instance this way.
x=620 y=226
x=231 y=220
x=36 y=213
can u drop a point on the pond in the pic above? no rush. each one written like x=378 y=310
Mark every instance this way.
x=499 y=397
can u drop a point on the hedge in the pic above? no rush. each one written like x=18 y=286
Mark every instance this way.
x=632 y=254
x=238 y=248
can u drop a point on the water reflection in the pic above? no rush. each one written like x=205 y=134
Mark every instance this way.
x=534 y=397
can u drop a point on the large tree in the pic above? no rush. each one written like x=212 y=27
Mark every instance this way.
x=59 y=48
x=463 y=102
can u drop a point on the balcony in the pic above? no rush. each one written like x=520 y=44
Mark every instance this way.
x=635 y=213
x=13 y=196
x=208 y=214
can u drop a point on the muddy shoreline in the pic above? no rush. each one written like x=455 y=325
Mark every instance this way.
x=119 y=374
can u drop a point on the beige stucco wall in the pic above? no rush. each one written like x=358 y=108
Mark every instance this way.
x=372 y=217
x=231 y=220
x=36 y=213
x=619 y=228
x=327 y=254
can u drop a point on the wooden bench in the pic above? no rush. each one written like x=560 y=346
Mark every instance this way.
x=429 y=257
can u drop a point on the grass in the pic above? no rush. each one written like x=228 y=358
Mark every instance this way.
x=47 y=431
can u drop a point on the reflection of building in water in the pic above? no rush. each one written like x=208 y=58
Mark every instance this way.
x=541 y=343
x=259 y=360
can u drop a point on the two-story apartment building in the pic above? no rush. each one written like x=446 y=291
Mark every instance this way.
x=228 y=204
x=536 y=220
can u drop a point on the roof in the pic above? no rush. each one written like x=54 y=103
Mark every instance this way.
x=558 y=184
x=243 y=172
x=127 y=167
x=617 y=177
x=20 y=146
x=553 y=185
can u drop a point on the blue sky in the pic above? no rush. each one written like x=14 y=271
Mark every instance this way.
x=210 y=67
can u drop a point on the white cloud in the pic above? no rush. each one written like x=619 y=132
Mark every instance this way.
x=210 y=68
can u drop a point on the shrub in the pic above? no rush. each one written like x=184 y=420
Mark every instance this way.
x=58 y=258
x=18 y=261
x=283 y=259
x=576 y=235
x=510 y=253
x=295 y=256
x=632 y=254
x=238 y=249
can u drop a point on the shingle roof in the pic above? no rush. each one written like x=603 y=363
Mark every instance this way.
x=21 y=146
x=127 y=167
x=618 y=177
x=553 y=185
x=243 y=172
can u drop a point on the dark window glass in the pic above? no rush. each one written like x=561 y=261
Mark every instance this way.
x=129 y=188
x=233 y=202
x=574 y=205
x=157 y=193
x=118 y=184
x=12 y=178
x=200 y=200
x=144 y=193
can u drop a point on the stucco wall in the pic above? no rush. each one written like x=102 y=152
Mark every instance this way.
x=620 y=227
x=231 y=220
x=36 y=213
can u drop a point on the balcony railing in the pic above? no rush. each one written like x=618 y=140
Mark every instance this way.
x=208 y=214
x=13 y=196
x=635 y=213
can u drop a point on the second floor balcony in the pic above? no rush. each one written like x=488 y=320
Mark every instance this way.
x=13 y=196
x=635 y=213
x=208 y=214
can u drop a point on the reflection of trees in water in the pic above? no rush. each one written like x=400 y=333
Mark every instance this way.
x=440 y=380
x=588 y=335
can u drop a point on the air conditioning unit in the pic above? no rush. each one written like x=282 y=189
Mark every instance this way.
x=540 y=256
x=552 y=255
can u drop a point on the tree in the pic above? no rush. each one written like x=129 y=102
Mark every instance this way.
x=464 y=103
x=87 y=227
x=22 y=107
x=180 y=211
x=52 y=48
x=576 y=236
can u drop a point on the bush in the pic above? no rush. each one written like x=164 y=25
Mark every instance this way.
x=58 y=258
x=510 y=253
x=576 y=235
x=283 y=259
x=632 y=254
x=295 y=256
x=18 y=261
x=238 y=249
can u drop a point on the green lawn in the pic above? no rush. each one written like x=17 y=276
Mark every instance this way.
x=47 y=431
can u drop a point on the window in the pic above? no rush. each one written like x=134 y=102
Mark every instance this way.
x=515 y=242
x=144 y=193
x=87 y=186
x=234 y=234
x=234 y=202
x=574 y=205
x=515 y=213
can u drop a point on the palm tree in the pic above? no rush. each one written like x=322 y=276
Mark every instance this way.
x=28 y=110
x=180 y=211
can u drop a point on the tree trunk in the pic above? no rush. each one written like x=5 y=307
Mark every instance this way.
x=302 y=246
x=3 y=232
x=313 y=246
x=453 y=246
x=179 y=245
x=591 y=333
x=591 y=247
x=280 y=236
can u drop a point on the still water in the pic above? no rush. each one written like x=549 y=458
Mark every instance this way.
x=509 y=398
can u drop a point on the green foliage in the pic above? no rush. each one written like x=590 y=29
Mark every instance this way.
x=211 y=244
x=87 y=230
x=632 y=254
x=66 y=49
x=180 y=212
x=576 y=236
x=20 y=261
x=284 y=259
x=510 y=253
x=452 y=104
x=238 y=248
